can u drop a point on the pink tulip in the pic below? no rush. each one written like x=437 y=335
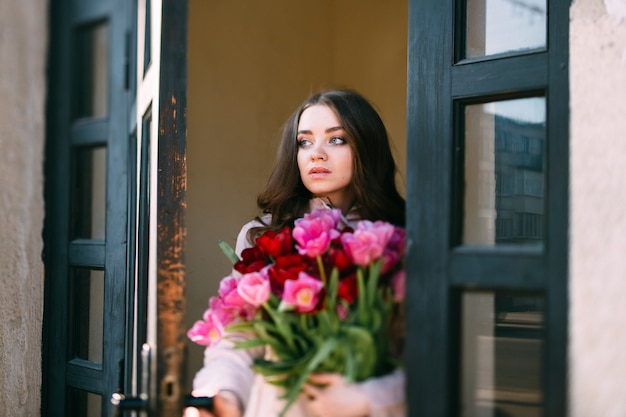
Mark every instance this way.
x=225 y=314
x=302 y=293
x=254 y=288
x=208 y=332
x=368 y=241
x=229 y=294
x=314 y=232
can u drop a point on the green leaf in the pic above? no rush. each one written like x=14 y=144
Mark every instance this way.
x=372 y=281
x=351 y=370
x=361 y=297
x=326 y=326
x=242 y=326
x=333 y=288
x=228 y=251
x=283 y=326
x=364 y=351
x=250 y=343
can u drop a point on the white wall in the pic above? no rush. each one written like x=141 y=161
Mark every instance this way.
x=23 y=41
x=598 y=209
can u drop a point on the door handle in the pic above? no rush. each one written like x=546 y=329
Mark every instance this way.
x=121 y=403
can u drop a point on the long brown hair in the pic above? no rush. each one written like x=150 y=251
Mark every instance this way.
x=286 y=198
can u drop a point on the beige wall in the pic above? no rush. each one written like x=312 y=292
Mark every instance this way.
x=23 y=33
x=249 y=67
x=598 y=208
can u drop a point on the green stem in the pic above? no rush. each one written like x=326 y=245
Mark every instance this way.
x=320 y=265
x=283 y=327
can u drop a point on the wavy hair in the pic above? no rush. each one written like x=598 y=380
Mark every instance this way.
x=376 y=196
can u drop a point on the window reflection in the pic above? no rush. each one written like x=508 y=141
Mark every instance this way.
x=501 y=358
x=495 y=26
x=504 y=172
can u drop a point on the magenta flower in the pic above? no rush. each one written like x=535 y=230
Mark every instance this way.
x=314 y=232
x=302 y=293
x=254 y=287
x=207 y=332
x=368 y=241
x=394 y=251
x=397 y=241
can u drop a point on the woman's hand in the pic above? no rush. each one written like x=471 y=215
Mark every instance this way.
x=328 y=395
x=225 y=404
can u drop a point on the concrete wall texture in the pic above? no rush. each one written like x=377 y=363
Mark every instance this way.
x=23 y=52
x=597 y=276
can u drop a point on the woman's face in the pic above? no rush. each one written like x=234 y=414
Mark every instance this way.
x=324 y=156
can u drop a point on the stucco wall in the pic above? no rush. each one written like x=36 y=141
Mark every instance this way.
x=598 y=208
x=23 y=34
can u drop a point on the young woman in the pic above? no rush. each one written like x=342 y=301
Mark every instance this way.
x=334 y=153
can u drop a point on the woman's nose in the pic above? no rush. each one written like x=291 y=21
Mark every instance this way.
x=317 y=153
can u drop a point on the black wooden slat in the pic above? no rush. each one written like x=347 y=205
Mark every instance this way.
x=510 y=76
x=88 y=11
x=87 y=253
x=58 y=111
x=116 y=279
x=428 y=190
x=557 y=193
x=497 y=269
x=84 y=375
x=90 y=132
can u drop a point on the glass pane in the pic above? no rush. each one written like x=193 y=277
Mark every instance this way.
x=501 y=361
x=147 y=44
x=495 y=26
x=504 y=172
x=87 y=300
x=91 y=75
x=90 y=193
x=83 y=403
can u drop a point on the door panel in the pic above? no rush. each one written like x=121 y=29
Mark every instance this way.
x=115 y=189
x=86 y=207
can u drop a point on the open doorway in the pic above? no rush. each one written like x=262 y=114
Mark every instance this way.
x=250 y=64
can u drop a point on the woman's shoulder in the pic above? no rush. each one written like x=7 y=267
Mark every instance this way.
x=242 y=237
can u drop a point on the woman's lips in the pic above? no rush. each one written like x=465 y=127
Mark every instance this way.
x=319 y=172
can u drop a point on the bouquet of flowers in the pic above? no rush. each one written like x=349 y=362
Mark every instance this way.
x=318 y=297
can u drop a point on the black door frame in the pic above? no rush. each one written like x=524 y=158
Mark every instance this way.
x=438 y=80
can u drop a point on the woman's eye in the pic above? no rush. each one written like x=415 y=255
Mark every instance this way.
x=302 y=143
x=337 y=140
